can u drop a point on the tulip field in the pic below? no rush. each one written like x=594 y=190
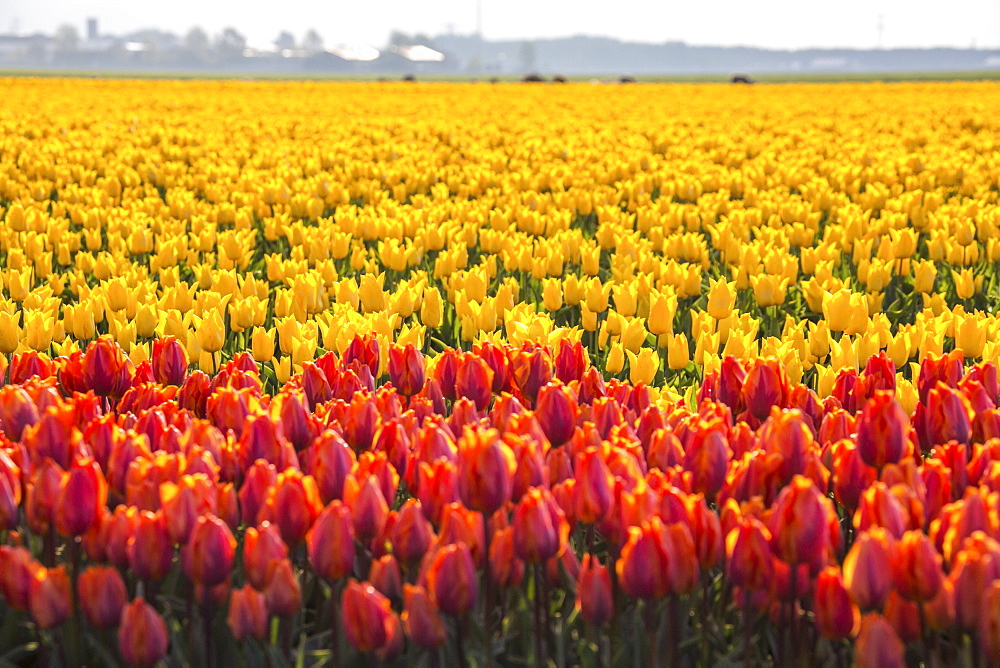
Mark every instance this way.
x=407 y=374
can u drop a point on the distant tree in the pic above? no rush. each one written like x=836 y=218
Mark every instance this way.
x=526 y=56
x=285 y=41
x=230 y=43
x=312 y=42
x=67 y=38
x=399 y=38
x=196 y=40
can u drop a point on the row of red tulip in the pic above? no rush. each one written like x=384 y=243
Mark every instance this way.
x=418 y=500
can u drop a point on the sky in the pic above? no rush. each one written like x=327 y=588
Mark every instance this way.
x=779 y=24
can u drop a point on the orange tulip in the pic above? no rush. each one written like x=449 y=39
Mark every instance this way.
x=413 y=534
x=989 y=623
x=150 y=551
x=800 y=525
x=975 y=567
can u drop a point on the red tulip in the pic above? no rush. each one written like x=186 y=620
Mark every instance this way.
x=207 y=558
x=331 y=542
x=83 y=496
x=801 y=523
x=50 y=597
x=557 y=411
x=369 y=509
x=486 y=468
x=413 y=534
x=386 y=577
x=658 y=560
x=262 y=546
x=101 y=594
x=142 y=634
x=406 y=369
x=422 y=619
x=505 y=567
x=247 y=614
x=882 y=431
x=150 y=550
x=571 y=361
x=593 y=592
x=765 y=386
x=531 y=368
x=292 y=505
x=836 y=615
x=540 y=529
x=105 y=368
x=283 y=594
x=916 y=567
x=17 y=411
x=367 y=616
x=749 y=562
x=868 y=569
x=474 y=380
x=451 y=579
x=879 y=508
x=169 y=361
x=975 y=567
x=332 y=461
x=594 y=488
x=989 y=623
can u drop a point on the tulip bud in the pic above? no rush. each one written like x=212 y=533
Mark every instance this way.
x=540 y=529
x=422 y=619
x=486 y=469
x=916 y=567
x=867 y=569
x=50 y=597
x=386 y=577
x=593 y=592
x=836 y=616
x=406 y=369
x=142 y=634
x=283 y=594
x=413 y=534
x=877 y=645
x=330 y=542
x=882 y=431
x=556 y=411
x=451 y=579
x=989 y=624
x=247 y=614
x=169 y=361
x=101 y=594
x=367 y=616
x=83 y=497
x=207 y=558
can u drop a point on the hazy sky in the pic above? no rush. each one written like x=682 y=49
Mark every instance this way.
x=767 y=23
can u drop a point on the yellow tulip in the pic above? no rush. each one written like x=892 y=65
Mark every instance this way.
x=642 y=368
x=616 y=359
x=37 y=330
x=679 y=353
x=146 y=320
x=431 y=314
x=212 y=332
x=966 y=285
x=10 y=332
x=262 y=344
x=552 y=298
x=769 y=290
x=721 y=298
